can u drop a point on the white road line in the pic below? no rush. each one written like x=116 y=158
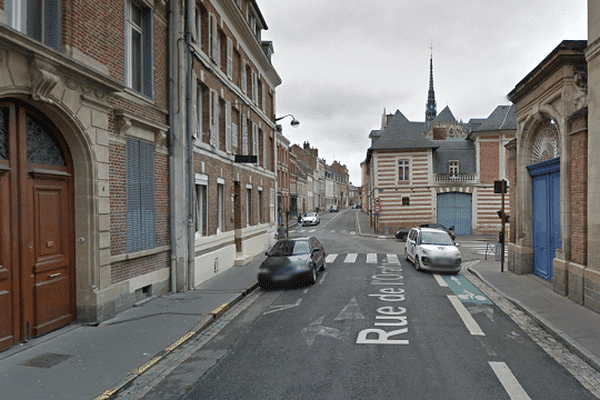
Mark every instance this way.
x=465 y=316
x=331 y=258
x=508 y=380
x=440 y=280
x=351 y=257
x=393 y=259
x=333 y=231
x=371 y=258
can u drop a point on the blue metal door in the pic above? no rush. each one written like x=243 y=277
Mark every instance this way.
x=546 y=215
x=455 y=209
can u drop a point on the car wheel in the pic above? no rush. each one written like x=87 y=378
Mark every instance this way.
x=417 y=264
x=313 y=275
x=323 y=266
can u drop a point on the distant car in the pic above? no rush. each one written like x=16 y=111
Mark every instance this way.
x=334 y=209
x=292 y=261
x=432 y=250
x=401 y=234
x=311 y=218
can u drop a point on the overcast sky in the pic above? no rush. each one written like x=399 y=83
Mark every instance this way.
x=343 y=61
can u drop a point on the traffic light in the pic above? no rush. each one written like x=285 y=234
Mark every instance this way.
x=503 y=216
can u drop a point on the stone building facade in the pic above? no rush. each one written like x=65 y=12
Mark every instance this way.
x=550 y=168
x=84 y=162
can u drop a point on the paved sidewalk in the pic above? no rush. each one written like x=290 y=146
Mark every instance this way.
x=84 y=362
x=575 y=326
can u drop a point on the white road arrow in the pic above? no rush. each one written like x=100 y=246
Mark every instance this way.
x=455 y=279
x=281 y=307
x=351 y=311
x=316 y=328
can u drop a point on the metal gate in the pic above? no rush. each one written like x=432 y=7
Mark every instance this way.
x=455 y=209
x=546 y=215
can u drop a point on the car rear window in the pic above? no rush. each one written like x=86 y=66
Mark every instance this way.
x=439 y=238
x=290 y=248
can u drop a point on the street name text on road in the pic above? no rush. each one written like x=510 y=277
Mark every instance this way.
x=388 y=315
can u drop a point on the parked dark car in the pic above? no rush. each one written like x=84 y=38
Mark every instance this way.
x=292 y=261
x=403 y=233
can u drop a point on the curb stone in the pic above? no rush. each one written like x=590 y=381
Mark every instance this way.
x=559 y=335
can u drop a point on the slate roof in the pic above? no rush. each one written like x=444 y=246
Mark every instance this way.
x=444 y=116
x=461 y=150
x=402 y=134
x=503 y=117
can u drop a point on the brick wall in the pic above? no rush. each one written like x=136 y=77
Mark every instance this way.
x=489 y=157
x=578 y=192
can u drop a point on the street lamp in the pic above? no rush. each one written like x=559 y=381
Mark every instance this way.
x=294 y=122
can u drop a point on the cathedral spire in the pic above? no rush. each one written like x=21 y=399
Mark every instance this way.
x=430 y=110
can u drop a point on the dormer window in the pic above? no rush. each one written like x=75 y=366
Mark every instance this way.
x=453 y=168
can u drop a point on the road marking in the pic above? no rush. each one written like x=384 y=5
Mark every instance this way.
x=465 y=316
x=351 y=311
x=323 y=277
x=371 y=258
x=282 y=307
x=440 y=280
x=351 y=257
x=331 y=258
x=353 y=232
x=316 y=328
x=465 y=290
x=393 y=259
x=508 y=380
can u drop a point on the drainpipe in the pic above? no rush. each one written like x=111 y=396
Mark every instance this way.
x=172 y=105
x=189 y=19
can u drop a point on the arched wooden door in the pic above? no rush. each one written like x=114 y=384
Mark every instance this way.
x=37 y=275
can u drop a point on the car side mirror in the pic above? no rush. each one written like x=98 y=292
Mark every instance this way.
x=457 y=244
x=451 y=228
x=267 y=253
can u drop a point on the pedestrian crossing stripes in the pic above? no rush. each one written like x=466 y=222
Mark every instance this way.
x=368 y=258
x=483 y=248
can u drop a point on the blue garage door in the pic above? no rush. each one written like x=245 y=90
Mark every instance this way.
x=455 y=209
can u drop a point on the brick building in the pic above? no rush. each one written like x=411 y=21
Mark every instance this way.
x=551 y=165
x=440 y=170
x=236 y=152
x=84 y=162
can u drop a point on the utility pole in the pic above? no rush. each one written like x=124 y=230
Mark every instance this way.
x=501 y=187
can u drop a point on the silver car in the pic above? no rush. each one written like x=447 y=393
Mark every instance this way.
x=310 y=218
x=432 y=250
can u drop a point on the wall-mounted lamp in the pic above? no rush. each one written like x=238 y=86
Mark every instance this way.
x=294 y=122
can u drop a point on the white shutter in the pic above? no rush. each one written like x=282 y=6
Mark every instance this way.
x=213 y=37
x=228 y=127
x=234 y=135
x=254 y=87
x=244 y=136
x=254 y=140
x=244 y=78
x=264 y=158
x=229 y=58
x=264 y=97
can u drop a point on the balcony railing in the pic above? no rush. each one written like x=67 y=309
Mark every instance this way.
x=455 y=177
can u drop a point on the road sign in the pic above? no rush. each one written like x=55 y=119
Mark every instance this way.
x=377 y=208
x=377 y=200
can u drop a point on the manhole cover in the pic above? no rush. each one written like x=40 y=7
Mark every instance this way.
x=46 y=360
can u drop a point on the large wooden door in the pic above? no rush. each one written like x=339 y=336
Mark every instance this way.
x=36 y=234
x=546 y=215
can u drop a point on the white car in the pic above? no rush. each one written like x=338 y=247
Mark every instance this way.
x=310 y=218
x=432 y=250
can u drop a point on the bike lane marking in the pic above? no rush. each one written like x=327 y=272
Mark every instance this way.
x=464 y=290
x=508 y=380
x=464 y=314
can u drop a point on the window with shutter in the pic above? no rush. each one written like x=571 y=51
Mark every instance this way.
x=244 y=136
x=254 y=139
x=140 y=193
x=229 y=58
x=228 y=127
x=138 y=48
x=244 y=79
x=40 y=19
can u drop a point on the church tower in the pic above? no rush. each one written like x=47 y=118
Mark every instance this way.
x=430 y=110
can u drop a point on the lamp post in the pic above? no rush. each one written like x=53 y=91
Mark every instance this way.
x=294 y=124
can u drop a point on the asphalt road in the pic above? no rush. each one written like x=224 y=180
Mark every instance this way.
x=371 y=328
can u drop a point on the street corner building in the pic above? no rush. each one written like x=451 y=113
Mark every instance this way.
x=137 y=153
x=552 y=167
x=440 y=170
